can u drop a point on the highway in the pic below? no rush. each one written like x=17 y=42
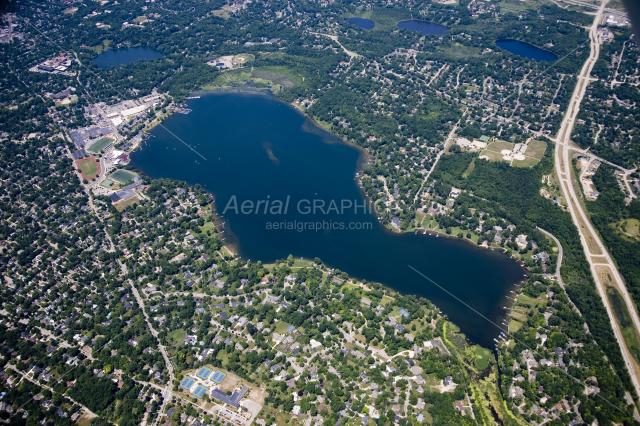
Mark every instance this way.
x=602 y=266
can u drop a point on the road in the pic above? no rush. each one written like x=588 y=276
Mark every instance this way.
x=166 y=392
x=597 y=255
x=447 y=142
x=558 y=265
x=25 y=377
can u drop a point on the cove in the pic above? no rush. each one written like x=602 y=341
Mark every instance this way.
x=424 y=27
x=526 y=50
x=115 y=58
x=252 y=148
x=365 y=24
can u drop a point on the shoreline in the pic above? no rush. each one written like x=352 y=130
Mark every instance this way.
x=231 y=241
x=363 y=158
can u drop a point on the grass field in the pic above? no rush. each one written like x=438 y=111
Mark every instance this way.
x=221 y=13
x=122 y=205
x=499 y=145
x=122 y=176
x=492 y=156
x=176 y=336
x=623 y=318
x=536 y=149
x=100 y=145
x=483 y=355
x=281 y=327
x=88 y=167
x=383 y=18
x=527 y=162
x=629 y=227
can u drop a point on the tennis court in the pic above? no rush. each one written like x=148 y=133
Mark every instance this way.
x=187 y=383
x=218 y=377
x=107 y=183
x=122 y=176
x=100 y=145
x=204 y=373
x=290 y=329
x=200 y=391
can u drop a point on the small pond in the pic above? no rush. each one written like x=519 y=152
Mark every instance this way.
x=425 y=27
x=365 y=24
x=115 y=58
x=526 y=50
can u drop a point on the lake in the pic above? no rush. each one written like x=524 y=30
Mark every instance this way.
x=365 y=24
x=425 y=27
x=526 y=50
x=255 y=150
x=115 y=58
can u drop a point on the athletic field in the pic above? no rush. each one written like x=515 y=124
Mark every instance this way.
x=218 y=377
x=100 y=145
x=122 y=176
x=204 y=373
x=187 y=383
x=200 y=391
x=88 y=167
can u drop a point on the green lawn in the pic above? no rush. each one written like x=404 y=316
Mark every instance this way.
x=100 y=145
x=385 y=19
x=492 y=156
x=499 y=145
x=281 y=327
x=483 y=355
x=122 y=205
x=536 y=149
x=122 y=176
x=176 y=337
x=527 y=162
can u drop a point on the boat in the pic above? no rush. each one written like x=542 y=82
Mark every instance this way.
x=193 y=97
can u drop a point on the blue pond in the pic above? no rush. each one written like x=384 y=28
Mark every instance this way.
x=365 y=24
x=425 y=27
x=526 y=50
x=118 y=57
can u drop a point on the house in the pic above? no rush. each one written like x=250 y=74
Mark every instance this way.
x=522 y=241
x=448 y=380
x=459 y=407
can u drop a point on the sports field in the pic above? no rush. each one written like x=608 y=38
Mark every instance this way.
x=88 y=167
x=100 y=145
x=107 y=183
x=187 y=383
x=218 y=377
x=200 y=391
x=204 y=373
x=122 y=176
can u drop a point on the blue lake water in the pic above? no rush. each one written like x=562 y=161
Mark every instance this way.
x=115 y=58
x=526 y=50
x=365 y=24
x=253 y=148
x=425 y=27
